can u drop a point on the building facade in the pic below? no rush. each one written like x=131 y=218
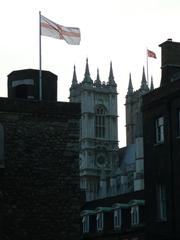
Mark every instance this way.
x=155 y=133
x=114 y=218
x=99 y=132
x=105 y=169
x=39 y=151
x=134 y=127
x=161 y=117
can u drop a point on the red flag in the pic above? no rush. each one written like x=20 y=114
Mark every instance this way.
x=151 y=54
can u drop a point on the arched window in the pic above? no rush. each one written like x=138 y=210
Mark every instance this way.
x=100 y=122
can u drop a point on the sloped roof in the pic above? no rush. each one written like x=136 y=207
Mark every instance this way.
x=127 y=157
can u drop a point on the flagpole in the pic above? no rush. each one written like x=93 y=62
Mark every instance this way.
x=147 y=67
x=40 y=62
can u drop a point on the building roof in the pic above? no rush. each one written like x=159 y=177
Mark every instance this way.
x=127 y=156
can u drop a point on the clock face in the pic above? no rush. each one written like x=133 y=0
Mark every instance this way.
x=101 y=160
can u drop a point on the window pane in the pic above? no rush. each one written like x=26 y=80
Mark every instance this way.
x=100 y=122
x=135 y=215
x=161 y=202
x=160 y=130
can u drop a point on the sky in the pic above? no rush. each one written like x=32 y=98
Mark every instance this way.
x=111 y=30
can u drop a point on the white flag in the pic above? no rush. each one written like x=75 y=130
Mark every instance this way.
x=51 y=29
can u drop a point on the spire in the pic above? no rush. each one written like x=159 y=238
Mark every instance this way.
x=87 y=78
x=130 y=86
x=97 y=81
x=111 y=76
x=144 y=85
x=74 y=80
x=152 y=84
x=87 y=68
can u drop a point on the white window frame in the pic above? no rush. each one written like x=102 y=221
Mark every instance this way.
x=117 y=218
x=161 y=202
x=160 y=130
x=135 y=215
x=100 y=221
x=85 y=223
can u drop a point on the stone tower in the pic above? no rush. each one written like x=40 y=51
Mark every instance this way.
x=133 y=106
x=99 y=132
x=134 y=129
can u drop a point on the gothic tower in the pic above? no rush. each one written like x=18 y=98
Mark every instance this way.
x=132 y=107
x=134 y=128
x=99 y=133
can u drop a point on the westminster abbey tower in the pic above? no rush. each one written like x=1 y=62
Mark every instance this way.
x=99 y=132
x=106 y=169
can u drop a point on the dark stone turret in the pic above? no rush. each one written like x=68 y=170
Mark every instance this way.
x=25 y=84
x=170 y=61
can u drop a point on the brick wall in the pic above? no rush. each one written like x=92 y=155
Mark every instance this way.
x=41 y=194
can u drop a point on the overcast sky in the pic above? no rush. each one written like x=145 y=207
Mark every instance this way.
x=111 y=30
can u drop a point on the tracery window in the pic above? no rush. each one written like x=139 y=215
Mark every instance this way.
x=100 y=122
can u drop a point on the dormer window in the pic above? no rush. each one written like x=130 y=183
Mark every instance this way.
x=134 y=215
x=100 y=221
x=117 y=218
x=85 y=223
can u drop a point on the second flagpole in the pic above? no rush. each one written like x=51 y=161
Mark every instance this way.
x=147 y=66
x=40 y=62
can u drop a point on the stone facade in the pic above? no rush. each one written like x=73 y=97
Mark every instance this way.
x=99 y=132
x=134 y=127
x=41 y=193
x=105 y=169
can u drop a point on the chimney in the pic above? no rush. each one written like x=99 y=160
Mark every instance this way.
x=170 y=61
